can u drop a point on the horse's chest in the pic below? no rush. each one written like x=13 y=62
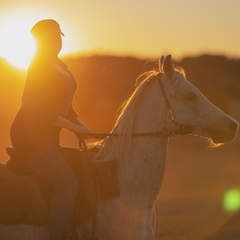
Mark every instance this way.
x=145 y=170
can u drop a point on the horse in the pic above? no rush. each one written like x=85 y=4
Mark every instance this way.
x=163 y=104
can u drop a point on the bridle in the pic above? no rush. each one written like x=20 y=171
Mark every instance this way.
x=182 y=129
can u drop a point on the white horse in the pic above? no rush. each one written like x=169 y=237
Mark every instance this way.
x=164 y=104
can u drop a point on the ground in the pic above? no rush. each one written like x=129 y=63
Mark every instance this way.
x=194 y=220
x=190 y=205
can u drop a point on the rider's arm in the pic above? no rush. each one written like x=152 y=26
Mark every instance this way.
x=75 y=126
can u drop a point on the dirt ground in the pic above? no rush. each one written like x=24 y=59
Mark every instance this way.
x=190 y=205
x=190 y=220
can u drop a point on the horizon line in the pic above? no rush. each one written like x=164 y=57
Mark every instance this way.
x=89 y=54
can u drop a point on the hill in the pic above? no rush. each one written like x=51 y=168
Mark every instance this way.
x=217 y=77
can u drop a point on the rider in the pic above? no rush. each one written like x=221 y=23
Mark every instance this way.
x=46 y=108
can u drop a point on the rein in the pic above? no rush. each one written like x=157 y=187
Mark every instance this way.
x=104 y=135
x=184 y=129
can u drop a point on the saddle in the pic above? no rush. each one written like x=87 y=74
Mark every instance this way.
x=25 y=198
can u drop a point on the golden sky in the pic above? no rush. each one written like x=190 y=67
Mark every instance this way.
x=142 y=28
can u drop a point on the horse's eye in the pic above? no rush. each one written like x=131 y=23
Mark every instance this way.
x=192 y=96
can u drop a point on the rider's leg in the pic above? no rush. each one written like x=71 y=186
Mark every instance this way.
x=48 y=163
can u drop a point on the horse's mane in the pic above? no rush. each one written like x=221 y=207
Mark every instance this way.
x=112 y=147
x=129 y=107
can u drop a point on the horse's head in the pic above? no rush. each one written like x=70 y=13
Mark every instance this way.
x=189 y=111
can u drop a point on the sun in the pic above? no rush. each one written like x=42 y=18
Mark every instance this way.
x=16 y=43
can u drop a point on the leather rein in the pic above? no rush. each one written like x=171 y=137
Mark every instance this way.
x=183 y=129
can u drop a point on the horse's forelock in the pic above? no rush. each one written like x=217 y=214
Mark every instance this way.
x=180 y=70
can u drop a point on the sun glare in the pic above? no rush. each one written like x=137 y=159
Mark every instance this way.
x=16 y=43
x=231 y=200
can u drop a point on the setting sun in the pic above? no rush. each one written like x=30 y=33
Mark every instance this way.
x=16 y=43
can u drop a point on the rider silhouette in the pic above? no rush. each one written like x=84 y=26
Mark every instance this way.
x=46 y=108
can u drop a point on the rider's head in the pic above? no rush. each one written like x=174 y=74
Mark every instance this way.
x=48 y=37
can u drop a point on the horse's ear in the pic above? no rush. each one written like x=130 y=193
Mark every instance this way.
x=168 y=66
x=161 y=62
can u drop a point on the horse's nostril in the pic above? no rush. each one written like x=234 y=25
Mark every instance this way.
x=232 y=127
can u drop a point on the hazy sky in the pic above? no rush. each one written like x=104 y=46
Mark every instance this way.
x=145 y=28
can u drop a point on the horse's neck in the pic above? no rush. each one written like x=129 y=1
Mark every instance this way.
x=151 y=114
x=144 y=169
x=141 y=169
